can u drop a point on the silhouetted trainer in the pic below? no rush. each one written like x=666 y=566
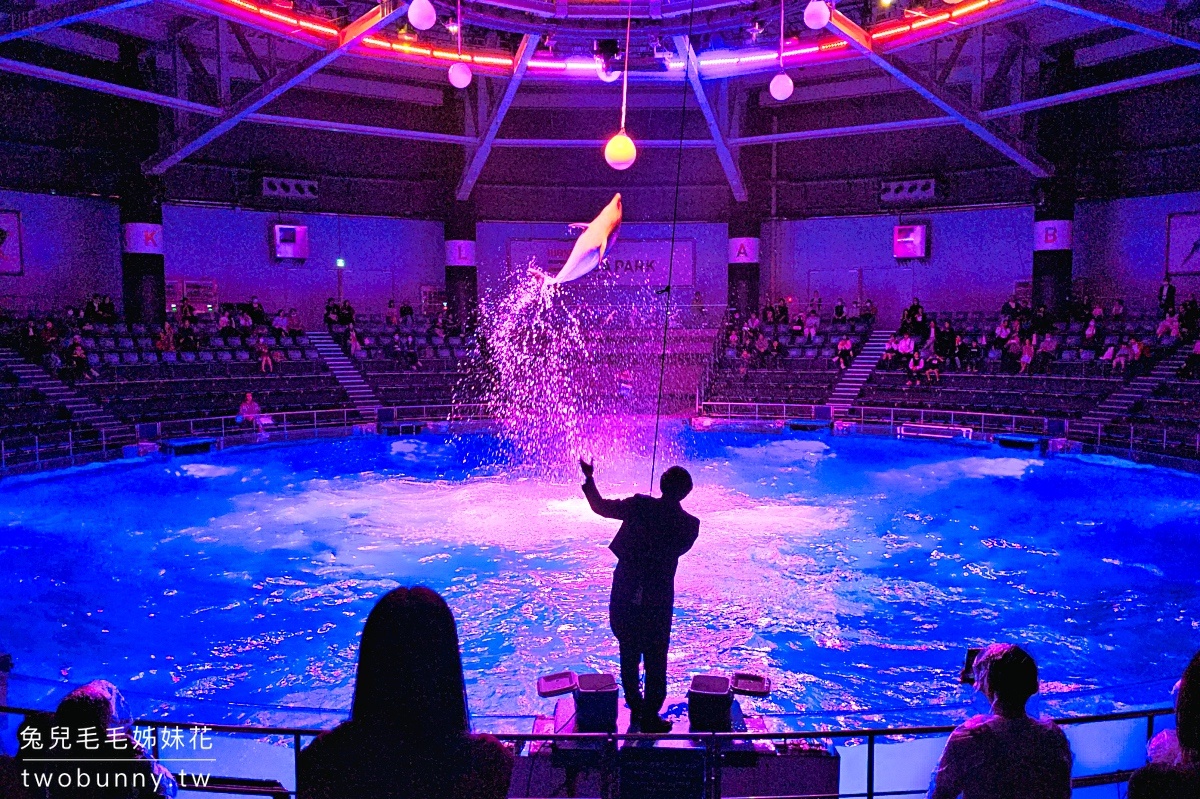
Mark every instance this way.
x=654 y=534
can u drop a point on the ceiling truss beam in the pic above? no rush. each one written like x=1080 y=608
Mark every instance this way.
x=1013 y=149
x=725 y=153
x=210 y=130
x=47 y=18
x=482 y=148
x=1129 y=18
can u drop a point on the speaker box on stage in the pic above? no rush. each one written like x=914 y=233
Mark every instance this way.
x=710 y=703
x=596 y=703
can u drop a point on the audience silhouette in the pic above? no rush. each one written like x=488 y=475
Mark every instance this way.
x=1178 y=775
x=408 y=736
x=1004 y=754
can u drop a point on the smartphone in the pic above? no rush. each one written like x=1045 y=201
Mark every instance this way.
x=967 y=676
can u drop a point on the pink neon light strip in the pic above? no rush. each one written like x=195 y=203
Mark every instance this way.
x=381 y=46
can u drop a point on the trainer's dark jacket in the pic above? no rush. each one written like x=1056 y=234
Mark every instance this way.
x=653 y=535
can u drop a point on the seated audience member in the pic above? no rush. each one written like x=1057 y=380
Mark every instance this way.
x=815 y=303
x=346 y=313
x=1121 y=358
x=245 y=323
x=186 y=310
x=1191 y=368
x=869 y=311
x=916 y=369
x=1027 y=354
x=406 y=310
x=905 y=347
x=353 y=344
x=891 y=353
x=78 y=364
x=1090 y=331
x=1118 y=311
x=249 y=410
x=263 y=353
x=1175 y=772
x=223 y=321
x=279 y=325
x=1047 y=351
x=1169 y=326
x=753 y=323
x=1004 y=753
x=782 y=314
x=933 y=369
x=409 y=734
x=166 y=339
x=1011 y=309
x=390 y=316
x=845 y=353
x=761 y=346
x=811 y=323
x=776 y=351
x=257 y=312
x=767 y=314
x=839 y=310
x=101 y=743
x=332 y=312
x=186 y=340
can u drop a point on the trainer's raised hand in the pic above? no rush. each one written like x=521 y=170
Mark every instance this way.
x=588 y=468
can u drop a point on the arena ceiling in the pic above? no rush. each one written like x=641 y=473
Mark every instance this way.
x=975 y=66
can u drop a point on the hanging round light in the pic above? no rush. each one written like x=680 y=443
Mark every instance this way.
x=781 y=84
x=816 y=14
x=620 y=152
x=460 y=73
x=422 y=15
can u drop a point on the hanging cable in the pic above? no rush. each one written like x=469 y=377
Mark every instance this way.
x=662 y=357
x=625 y=69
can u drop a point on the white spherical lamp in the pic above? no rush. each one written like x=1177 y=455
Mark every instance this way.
x=620 y=152
x=460 y=75
x=781 y=86
x=816 y=14
x=422 y=15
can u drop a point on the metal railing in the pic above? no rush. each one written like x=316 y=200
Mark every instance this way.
x=758 y=411
x=716 y=749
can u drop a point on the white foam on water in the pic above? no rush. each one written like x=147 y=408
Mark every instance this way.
x=207 y=470
x=932 y=476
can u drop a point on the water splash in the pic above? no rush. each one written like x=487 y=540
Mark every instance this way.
x=558 y=386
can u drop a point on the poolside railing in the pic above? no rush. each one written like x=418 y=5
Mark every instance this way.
x=870 y=763
x=77 y=447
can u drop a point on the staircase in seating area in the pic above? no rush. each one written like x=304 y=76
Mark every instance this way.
x=850 y=384
x=346 y=373
x=83 y=409
x=1123 y=399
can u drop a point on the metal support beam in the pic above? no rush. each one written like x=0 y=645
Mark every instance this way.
x=1123 y=16
x=483 y=147
x=952 y=59
x=224 y=73
x=49 y=17
x=252 y=58
x=1013 y=149
x=724 y=154
x=205 y=133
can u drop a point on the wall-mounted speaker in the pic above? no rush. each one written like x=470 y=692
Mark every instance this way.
x=907 y=192
x=291 y=241
x=290 y=188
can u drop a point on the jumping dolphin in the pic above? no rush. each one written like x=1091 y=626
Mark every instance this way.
x=597 y=238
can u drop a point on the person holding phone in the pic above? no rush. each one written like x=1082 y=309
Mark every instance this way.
x=1005 y=753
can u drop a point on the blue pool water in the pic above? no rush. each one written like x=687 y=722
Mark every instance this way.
x=853 y=571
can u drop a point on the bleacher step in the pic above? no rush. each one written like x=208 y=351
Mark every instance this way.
x=346 y=373
x=54 y=390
